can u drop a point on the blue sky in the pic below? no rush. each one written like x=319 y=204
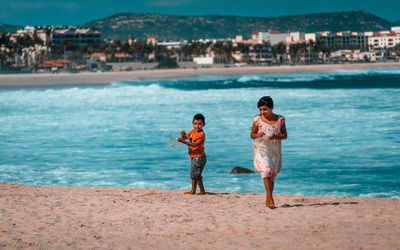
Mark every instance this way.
x=48 y=12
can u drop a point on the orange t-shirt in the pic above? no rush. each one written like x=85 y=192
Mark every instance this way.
x=196 y=137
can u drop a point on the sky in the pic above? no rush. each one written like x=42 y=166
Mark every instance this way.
x=75 y=12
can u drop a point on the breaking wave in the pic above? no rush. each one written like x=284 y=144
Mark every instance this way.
x=360 y=78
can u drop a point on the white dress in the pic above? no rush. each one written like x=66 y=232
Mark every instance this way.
x=268 y=153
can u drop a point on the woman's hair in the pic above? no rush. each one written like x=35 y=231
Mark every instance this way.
x=199 y=117
x=265 y=101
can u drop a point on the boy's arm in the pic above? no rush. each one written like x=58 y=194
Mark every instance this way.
x=194 y=143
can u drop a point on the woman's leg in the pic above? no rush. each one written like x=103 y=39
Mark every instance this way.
x=269 y=186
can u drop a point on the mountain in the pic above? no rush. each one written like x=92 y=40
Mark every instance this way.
x=396 y=23
x=4 y=28
x=166 y=27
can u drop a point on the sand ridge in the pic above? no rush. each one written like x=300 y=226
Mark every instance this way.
x=42 y=217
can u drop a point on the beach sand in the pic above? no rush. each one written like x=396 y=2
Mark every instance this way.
x=108 y=77
x=39 y=217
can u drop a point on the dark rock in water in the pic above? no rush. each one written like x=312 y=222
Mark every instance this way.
x=240 y=170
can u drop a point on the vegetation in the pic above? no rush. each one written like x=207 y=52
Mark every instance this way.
x=167 y=63
x=124 y=26
x=6 y=28
x=11 y=49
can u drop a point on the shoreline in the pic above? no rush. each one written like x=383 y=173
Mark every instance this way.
x=105 y=78
x=49 y=217
x=183 y=190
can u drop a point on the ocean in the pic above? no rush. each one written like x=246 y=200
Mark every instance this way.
x=343 y=132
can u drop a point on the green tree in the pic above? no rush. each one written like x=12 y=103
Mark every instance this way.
x=223 y=52
x=279 y=52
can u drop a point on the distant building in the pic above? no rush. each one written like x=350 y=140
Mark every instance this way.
x=310 y=36
x=27 y=29
x=344 y=39
x=204 y=60
x=396 y=28
x=295 y=36
x=99 y=57
x=173 y=45
x=58 y=64
x=122 y=57
x=31 y=31
x=79 y=37
x=275 y=37
x=259 y=36
x=239 y=39
x=384 y=39
x=43 y=35
x=152 y=40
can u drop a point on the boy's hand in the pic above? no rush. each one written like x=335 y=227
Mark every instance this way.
x=183 y=134
x=180 y=140
x=261 y=134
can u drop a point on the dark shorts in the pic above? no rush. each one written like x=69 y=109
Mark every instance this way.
x=197 y=166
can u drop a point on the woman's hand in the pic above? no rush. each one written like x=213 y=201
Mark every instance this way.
x=261 y=134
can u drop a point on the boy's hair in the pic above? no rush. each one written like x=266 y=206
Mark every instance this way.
x=200 y=117
x=265 y=101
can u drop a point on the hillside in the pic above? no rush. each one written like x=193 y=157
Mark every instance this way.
x=396 y=23
x=4 y=28
x=166 y=27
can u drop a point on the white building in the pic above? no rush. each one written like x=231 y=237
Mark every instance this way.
x=295 y=36
x=175 y=45
x=260 y=36
x=275 y=37
x=239 y=39
x=384 y=39
x=310 y=36
x=27 y=29
x=43 y=35
x=396 y=28
x=204 y=60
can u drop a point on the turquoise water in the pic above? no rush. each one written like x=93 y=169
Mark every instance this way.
x=343 y=132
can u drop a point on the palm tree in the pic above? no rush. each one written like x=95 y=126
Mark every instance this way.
x=279 y=52
x=4 y=49
x=223 y=51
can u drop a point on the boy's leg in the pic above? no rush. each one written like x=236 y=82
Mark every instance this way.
x=194 y=184
x=201 y=186
x=268 y=184
x=197 y=166
x=202 y=163
x=192 y=175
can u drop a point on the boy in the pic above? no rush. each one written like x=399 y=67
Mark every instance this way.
x=198 y=158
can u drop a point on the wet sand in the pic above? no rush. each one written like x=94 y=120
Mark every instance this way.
x=33 y=217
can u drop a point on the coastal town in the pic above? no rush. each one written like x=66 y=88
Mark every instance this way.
x=57 y=49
